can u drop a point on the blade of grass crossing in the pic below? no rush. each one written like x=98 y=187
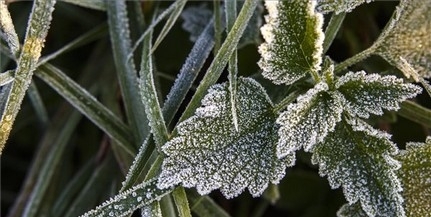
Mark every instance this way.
x=126 y=72
x=228 y=47
x=38 y=105
x=38 y=25
x=8 y=29
x=52 y=161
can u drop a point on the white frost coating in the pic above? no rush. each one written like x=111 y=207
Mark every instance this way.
x=293 y=41
x=359 y=158
x=338 y=6
x=209 y=154
x=127 y=202
x=308 y=121
x=367 y=94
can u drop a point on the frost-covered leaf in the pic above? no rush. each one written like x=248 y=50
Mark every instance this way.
x=125 y=203
x=358 y=158
x=366 y=94
x=308 y=121
x=293 y=41
x=415 y=175
x=408 y=36
x=338 y=6
x=210 y=154
x=197 y=17
x=351 y=210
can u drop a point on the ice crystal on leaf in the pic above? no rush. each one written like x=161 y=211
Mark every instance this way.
x=367 y=94
x=415 y=175
x=337 y=6
x=308 y=121
x=351 y=210
x=359 y=158
x=408 y=36
x=210 y=154
x=293 y=41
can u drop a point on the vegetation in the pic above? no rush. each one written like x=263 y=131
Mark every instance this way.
x=215 y=108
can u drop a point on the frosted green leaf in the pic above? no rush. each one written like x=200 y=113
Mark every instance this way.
x=338 y=6
x=367 y=94
x=308 y=121
x=358 y=158
x=408 y=36
x=353 y=210
x=415 y=175
x=293 y=41
x=210 y=154
x=125 y=203
x=197 y=17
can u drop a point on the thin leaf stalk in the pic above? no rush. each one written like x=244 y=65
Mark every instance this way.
x=39 y=22
x=332 y=29
x=355 y=59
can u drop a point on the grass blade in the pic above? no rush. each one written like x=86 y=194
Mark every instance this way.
x=8 y=29
x=38 y=25
x=88 y=105
x=416 y=113
x=222 y=57
x=179 y=5
x=332 y=29
x=6 y=77
x=180 y=199
x=125 y=203
x=204 y=206
x=93 y=4
x=149 y=95
x=38 y=105
x=52 y=161
x=127 y=75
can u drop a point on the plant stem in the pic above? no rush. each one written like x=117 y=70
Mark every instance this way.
x=416 y=113
x=355 y=59
x=217 y=25
x=286 y=101
x=332 y=29
x=230 y=11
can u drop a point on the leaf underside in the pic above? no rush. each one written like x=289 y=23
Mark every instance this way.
x=293 y=41
x=358 y=158
x=415 y=175
x=210 y=154
x=369 y=94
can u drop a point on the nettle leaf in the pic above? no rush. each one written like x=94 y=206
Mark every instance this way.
x=293 y=41
x=408 y=36
x=351 y=210
x=358 y=158
x=367 y=94
x=415 y=175
x=308 y=121
x=338 y=6
x=197 y=17
x=210 y=154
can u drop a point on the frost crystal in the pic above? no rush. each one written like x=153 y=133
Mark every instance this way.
x=366 y=94
x=308 y=121
x=127 y=202
x=210 y=154
x=415 y=175
x=337 y=6
x=358 y=158
x=408 y=36
x=294 y=38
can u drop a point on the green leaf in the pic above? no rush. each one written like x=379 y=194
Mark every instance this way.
x=408 y=36
x=415 y=175
x=125 y=203
x=338 y=6
x=351 y=210
x=293 y=41
x=308 y=121
x=93 y=4
x=209 y=154
x=367 y=94
x=358 y=158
